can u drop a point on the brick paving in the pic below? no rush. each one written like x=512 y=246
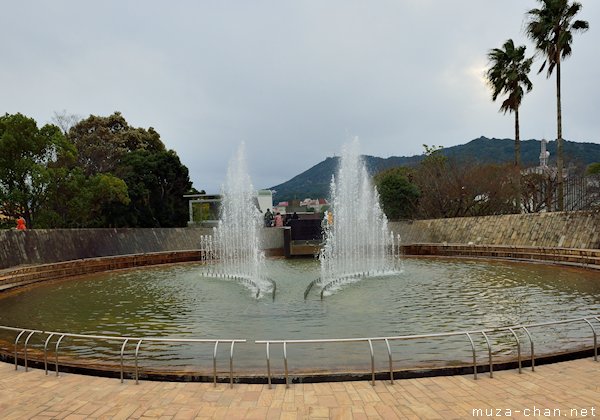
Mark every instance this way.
x=570 y=387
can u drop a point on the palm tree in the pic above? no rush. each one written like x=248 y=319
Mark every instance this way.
x=551 y=28
x=508 y=75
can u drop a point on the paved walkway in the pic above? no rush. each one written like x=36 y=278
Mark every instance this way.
x=559 y=390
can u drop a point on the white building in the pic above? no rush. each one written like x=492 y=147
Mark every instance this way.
x=265 y=200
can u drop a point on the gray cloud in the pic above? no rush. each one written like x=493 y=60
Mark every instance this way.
x=294 y=80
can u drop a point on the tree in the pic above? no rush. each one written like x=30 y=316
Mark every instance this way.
x=102 y=141
x=456 y=189
x=76 y=201
x=551 y=28
x=508 y=76
x=157 y=182
x=593 y=169
x=27 y=158
x=397 y=194
x=65 y=121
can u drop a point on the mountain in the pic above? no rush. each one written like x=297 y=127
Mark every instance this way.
x=314 y=182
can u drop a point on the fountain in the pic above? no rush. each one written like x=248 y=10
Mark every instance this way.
x=357 y=241
x=181 y=319
x=235 y=242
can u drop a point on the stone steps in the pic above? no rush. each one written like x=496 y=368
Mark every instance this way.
x=24 y=275
x=589 y=258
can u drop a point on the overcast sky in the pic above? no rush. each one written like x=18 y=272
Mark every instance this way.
x=293 y=79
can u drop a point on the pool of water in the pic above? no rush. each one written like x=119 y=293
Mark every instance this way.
x=427 y=296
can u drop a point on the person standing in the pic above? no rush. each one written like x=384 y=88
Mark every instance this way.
x=278 y=220
x=268 y=218
x=21 y=224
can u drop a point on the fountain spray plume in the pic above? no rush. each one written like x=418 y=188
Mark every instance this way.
x=357 y=241
x=236 y=240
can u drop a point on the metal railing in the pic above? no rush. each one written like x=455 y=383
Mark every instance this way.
x=515 y=331
x=123 y=340
x=468 y=334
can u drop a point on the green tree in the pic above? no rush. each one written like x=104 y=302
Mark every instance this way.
x=77 y=201
x=508 y=75
x=551 y=28
x=101 y=142
x=593 y=169
x=27 y=156
x=398 y=196
x=157 y=182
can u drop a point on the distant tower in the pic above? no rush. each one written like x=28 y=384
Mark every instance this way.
x=544 y=154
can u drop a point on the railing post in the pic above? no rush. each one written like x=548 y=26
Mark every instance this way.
x=56 y=352
x=26 y=342
x=474 y=355
x=372 y=363
x=137 y=350
x=122 y=351
x=268 y=366
x=489 y=353
x=532 y=348
x=588 y=322
x=46 y=352
x=215 y=363
x=518 y=348
x=285 y=364
x=387 y=343
x=16 y=351
x=231 y=365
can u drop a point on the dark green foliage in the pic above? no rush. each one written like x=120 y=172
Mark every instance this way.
x=551 y=28
x=28 y=157
x=398 y=196
x=110 y=175
x=101 y=142
x=157 y=182
x=509 y=75
x=593 y=168
x=76 y=201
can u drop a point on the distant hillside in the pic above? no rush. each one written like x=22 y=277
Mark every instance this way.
x=314 y=182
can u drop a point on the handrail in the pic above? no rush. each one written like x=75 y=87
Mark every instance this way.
x=26 y=342
x=468 y=334
x=532 y=349
x=122 y=351
x=124 y=340
x=489 y=347
x=50 y=335
x=474 y=355
x=518 y=348
x=387 y=343
x=16 y=348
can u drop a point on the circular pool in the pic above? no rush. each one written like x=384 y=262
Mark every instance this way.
x=429 y=295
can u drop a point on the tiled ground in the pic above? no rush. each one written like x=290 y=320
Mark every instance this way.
x=566 y=386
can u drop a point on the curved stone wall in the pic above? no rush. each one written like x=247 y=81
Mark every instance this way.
x=563 y=230
x=579 y=230
x=41 y=246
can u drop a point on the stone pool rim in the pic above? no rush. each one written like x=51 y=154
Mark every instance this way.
x=17 y=278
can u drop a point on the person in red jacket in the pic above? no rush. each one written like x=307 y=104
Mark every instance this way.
x=21 y=224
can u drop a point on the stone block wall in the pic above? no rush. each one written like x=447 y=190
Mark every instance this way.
x=41 y=246
x=560 y=229
x=564 y=230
